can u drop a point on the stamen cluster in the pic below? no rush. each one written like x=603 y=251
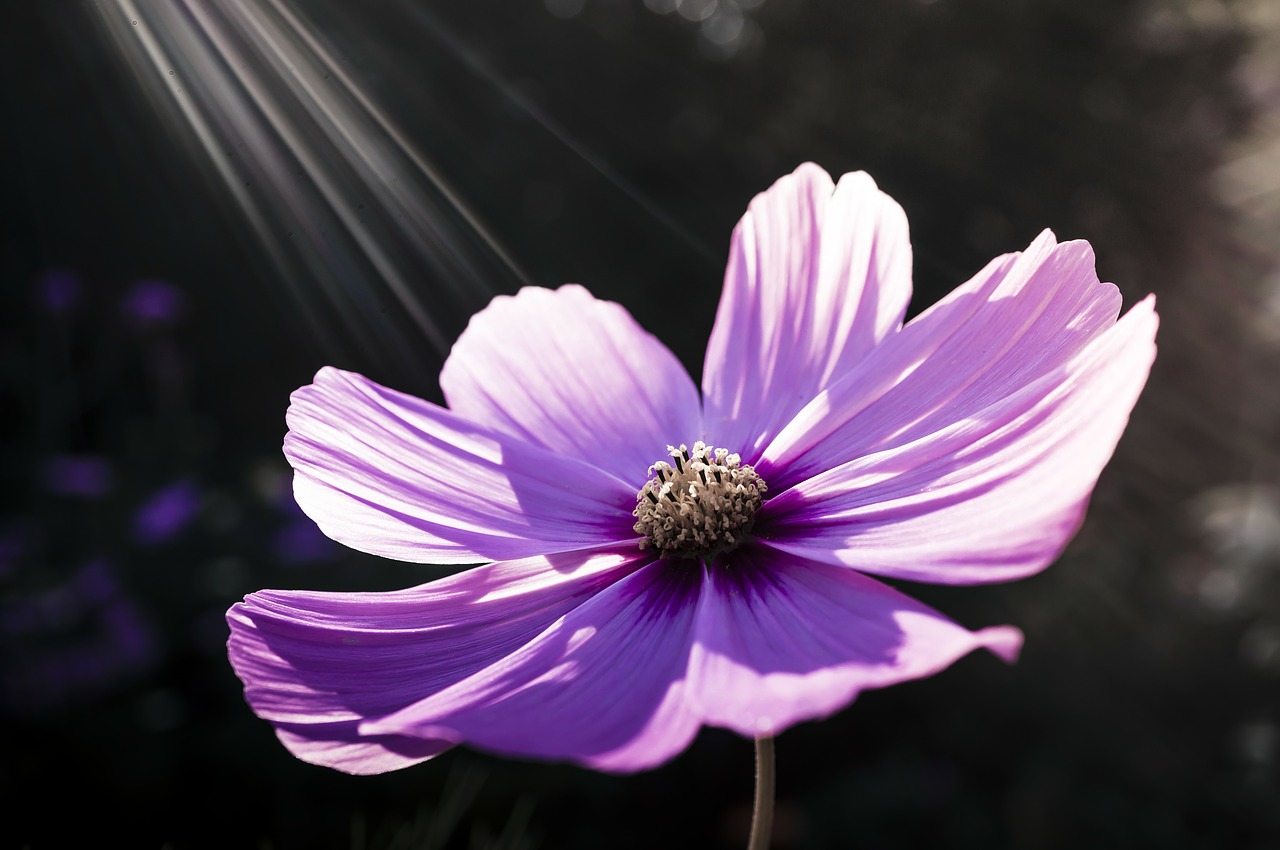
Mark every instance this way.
x=703 y=502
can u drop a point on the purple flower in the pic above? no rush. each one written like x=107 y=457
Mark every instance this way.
x=89 y=476
x=166 y=513
x=152 y=302
x=58 y=290
x=661 y=561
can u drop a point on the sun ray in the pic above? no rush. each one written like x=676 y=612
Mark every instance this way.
x=356 y=223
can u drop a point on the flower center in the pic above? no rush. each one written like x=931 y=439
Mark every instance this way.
x=703 y=504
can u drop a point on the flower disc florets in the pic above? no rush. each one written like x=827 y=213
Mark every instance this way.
x=703 y=504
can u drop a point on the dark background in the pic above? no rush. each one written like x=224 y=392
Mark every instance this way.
x=203 y=204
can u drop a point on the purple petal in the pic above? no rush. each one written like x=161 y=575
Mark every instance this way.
x=561 y=370
x=318 y=664
x=1020 y=318
x=330 y=745
x=815 y=281
x=390 y=474
x=992 y=496
x=604 y=686
x=780 y=639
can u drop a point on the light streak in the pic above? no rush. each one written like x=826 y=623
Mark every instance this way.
x=353 y=218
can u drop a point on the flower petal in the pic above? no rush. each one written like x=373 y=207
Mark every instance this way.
x=993 y=496
x=603 y=686
x=1018 y=319
x=392 y=475
x=815 y=281
x=336 y=745
x=781 y=639
x=317 y=664
x=561 y=370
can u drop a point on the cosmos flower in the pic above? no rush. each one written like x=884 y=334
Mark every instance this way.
x=658 y=560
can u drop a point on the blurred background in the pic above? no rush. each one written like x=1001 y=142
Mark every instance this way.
x=203 y=203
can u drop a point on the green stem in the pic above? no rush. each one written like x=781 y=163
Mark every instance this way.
x=762 y=813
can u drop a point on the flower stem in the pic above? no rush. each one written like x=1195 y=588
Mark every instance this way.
x=762 y=813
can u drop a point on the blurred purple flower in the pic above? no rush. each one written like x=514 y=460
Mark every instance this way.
x=153 y=302
x=299 y=542
x=166 y=514
x=58 y=290
x=87 y=476
x=60 y=606
x=58 y=663
x=622 y=614
x=16 y=537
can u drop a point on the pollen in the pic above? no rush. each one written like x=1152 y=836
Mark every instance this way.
x=700 y=502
